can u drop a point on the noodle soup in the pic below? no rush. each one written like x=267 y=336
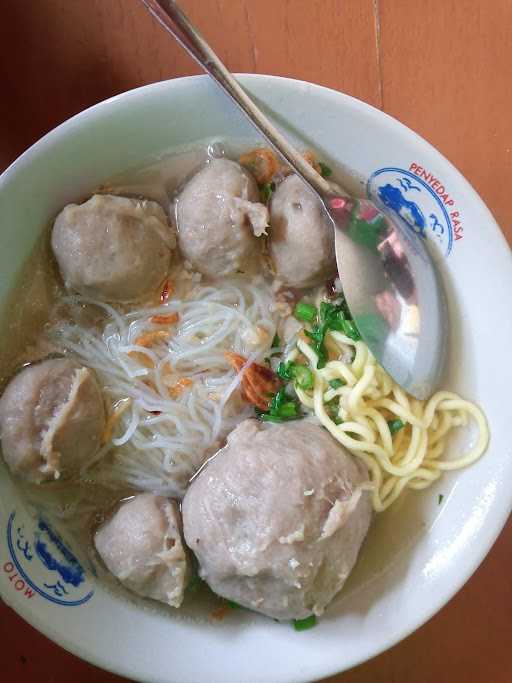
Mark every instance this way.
x=201 y=304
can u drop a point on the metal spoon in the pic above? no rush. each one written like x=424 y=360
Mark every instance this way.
x=389 y=281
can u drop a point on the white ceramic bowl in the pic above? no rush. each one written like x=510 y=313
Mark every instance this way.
x=420 y=552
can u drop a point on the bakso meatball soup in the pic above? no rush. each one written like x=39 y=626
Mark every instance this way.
x=199 y=410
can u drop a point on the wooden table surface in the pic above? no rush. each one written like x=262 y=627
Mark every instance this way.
x=443 y=67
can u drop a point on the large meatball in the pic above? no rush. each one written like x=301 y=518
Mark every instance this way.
x=52 y=419
x=142 y=546
x=302 y=236
x=113 y=248
x=277 y=518
x=218 y=217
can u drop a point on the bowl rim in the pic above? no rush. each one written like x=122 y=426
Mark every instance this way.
x=471 y=562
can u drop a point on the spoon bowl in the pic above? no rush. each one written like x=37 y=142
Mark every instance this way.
x=393 y=292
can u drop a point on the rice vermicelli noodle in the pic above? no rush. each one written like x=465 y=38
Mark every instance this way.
x=176 y=401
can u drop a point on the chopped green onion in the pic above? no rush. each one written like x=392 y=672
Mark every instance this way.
x=284 y=370
x=440 y=498
x=276 y=342
x=266 y=192
x=282 y=407
x=324 y=169
x=288 y=409
x=337 y=420
x=317 y=336
x=331 y=316
x=266 y=417
x=336 y=383
x=304 y=624
x=395 y=426
x=305 y=312
x=233 y=605
x=332 y=408
x=350 y=330
x=301 y=374
x=303 y=377
x=278 y=399
x=280 y=404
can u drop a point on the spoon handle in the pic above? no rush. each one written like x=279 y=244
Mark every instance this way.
x=175 y=21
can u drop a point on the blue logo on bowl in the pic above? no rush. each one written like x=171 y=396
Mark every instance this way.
x=37 y=550
x=420 y=201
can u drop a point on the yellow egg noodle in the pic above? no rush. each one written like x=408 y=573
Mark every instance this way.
x=368 y=399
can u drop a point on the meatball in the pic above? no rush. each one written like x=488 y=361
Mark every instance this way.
x=301 y=244
x=277 y=518
x=52 y=419
x=142 y=546
x=113 y=248
x=218 y=217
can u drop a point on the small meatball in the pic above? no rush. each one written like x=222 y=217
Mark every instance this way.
x=277 y=518
x=142 y=546
x=52 y=419
x=113 y=248
x=301 y=241
x=218 y=217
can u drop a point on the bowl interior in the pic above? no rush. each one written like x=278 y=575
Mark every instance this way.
x=418 y=553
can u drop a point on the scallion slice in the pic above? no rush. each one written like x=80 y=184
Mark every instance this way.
x=305 y=312
x=395 y=425
x=304 y=624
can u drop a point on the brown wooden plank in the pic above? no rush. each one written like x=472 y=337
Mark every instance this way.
x=61 y=56
x=447 y=73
